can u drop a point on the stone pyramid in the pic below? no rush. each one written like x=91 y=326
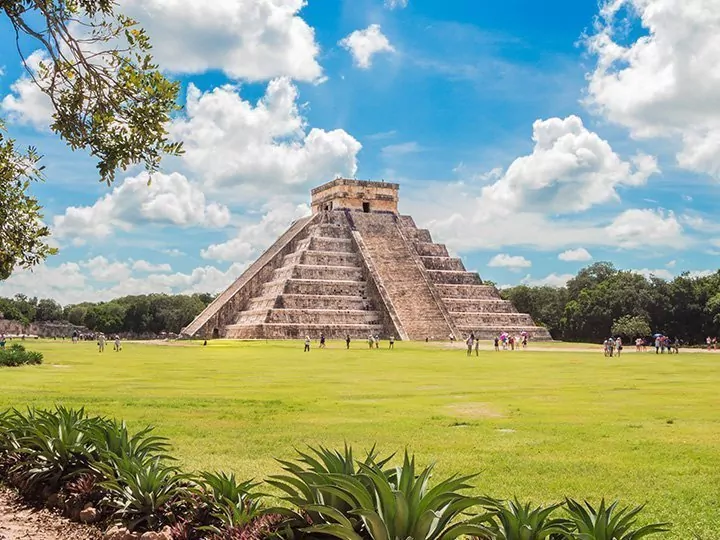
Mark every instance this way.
x=356 y=267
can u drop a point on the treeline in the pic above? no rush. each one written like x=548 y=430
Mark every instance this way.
x=601 y=299
x=143 y=314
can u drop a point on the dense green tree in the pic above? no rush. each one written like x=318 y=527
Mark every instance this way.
x=631 y=327
x=108 y=98
x=48 y=310
x=75 y=315
x=546 y=305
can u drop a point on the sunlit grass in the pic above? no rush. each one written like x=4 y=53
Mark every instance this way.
x=538 y=424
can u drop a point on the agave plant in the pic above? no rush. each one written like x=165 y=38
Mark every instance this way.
x=512 y=520
x=304 y=484
x=609 y=522
x=231 y=504
x=398 y=505
x=140 y=490
x=56 y=447
x=113 y=441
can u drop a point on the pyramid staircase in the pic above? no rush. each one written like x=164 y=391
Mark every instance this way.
x=319 y=288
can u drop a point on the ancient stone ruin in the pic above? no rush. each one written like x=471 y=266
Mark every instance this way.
x=357 y=267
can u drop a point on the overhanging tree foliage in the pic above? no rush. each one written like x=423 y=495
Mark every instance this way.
x=107 y=95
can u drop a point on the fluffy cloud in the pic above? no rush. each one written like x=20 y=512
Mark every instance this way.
x=246 y=39
x=364 y=44
x=575 y=255
x=400 y=149
x=144 y=266
x=170 y=198
x=233 y=143
x=70 y=283
x=251 y=239
x=551 y=280
x=396 y=4
x=27 y=104
x=665 y=83
x=637 y=228
x=513 y=263
x=662 y=273
x=570 y=169
x=101 y=269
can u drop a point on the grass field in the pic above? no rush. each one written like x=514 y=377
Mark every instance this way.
x=536 y=424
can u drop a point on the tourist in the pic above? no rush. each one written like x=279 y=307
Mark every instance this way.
x=307 y=344
x=371 y=340
x=477 y=346
x=117 y=347
x=512 y=343
x=377 y=341
x=392 y=342
x=708 y=340
x=657 y=344
x=676 y=345
x=714 y=343
x=347 y=341
x=524 y=341
x=205 y=343
x=101 y=342
x=2 y=341
x=322 y=340
x=638 y=344
x=497 y=343
x=469 y=342
x=618 y=345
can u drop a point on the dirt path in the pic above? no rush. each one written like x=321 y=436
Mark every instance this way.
x=18 y=522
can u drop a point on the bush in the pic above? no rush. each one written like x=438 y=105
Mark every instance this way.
x=16 y=355
x=126 y=476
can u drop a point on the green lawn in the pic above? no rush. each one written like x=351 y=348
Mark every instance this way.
x=541 y=425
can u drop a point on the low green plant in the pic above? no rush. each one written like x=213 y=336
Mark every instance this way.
x=397 y=504
x=140 y=491
x=53 y=446
x=512 y=520
x=17 y=355
x=228 y=503
x=113 y=441
x=609 y=522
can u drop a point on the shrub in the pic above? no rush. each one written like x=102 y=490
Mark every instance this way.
x=93 y=460
x=609 y=522
x=16 y=355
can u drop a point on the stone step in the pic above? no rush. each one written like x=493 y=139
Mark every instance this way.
x=443 y=263
x=322 y=243
x=322 y=316
x=323 y=287
x=448 y=290
x=494 y=319
x=454 y=277
x=537 y=333
x=418 y=235
x=314 y=301
x=262 y=302
x=428 y=249
x=330 y=258
x=332 y=273
x=487 y=305
x=254 y=316
x=357 y=332
x=329 y=230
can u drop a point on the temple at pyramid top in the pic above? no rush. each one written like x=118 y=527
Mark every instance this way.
x=355 y=267
x=358 y=195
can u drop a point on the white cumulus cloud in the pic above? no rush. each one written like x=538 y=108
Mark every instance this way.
x=551 y=280
x=246 y=39
x=364 y=44
x=252 y=238
x=231 y=142
x=170 y=199
x=27 y=104
x=575 y=255
x=511 y=262
x=641 y=228
x=664 y=83
x=570 y=169
x=396 y=4
x=145 y=266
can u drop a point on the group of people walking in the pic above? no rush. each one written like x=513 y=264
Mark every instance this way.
x=373 y=342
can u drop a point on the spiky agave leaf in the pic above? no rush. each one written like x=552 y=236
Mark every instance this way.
x=609 y=522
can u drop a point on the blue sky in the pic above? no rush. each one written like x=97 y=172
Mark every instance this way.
x=533 y=138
